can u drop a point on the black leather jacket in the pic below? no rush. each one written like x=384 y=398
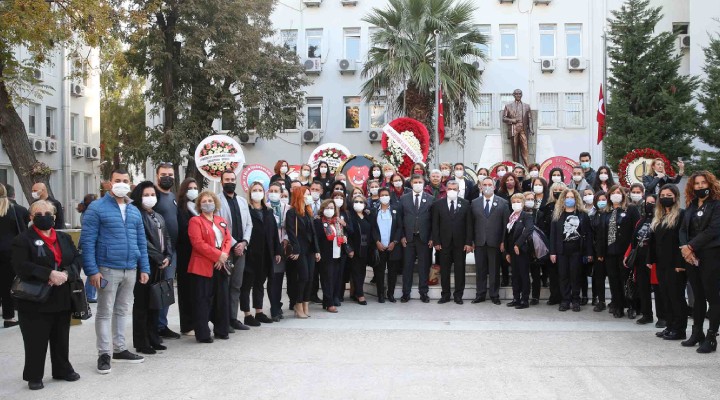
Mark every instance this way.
x=154 y=223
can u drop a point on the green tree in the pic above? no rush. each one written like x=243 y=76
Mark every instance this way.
x=207 y=59
x=402 y=58
x=650 y=103
x=39 y=28
x=709 y=97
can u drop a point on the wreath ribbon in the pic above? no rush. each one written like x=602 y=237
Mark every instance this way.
x=414 y=154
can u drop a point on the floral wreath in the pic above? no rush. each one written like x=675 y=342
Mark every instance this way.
x=416 y=134
x=641 y=153
x=218 y=147
x=328 y=155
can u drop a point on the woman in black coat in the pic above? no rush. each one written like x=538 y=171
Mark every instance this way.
x=323 y=175
x=642 y=303
x=305 y=251
x=13 y=221
x=545 y=223
x=615 y=234
x=517 y=252
x=664 y=252
x=387 y=242
x=360 y=238
x=332 y=241
x=599 y=273
x=700 y=247
x=41 y=254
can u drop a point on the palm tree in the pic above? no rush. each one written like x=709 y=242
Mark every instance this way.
x=402 y=57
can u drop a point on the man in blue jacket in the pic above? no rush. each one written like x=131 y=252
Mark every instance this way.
x=114 y=246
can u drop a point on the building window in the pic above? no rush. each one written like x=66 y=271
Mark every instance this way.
x=74 y=122
x=573 y=38
x=483 y=112
x=87 y=130
x=289 y=122
x=548 y=110
x=74 y=183
x=352 y=43
x=252 y=117
x=313 y=38
x=314 y=113
x=33 y=127
x=3 y=177
x=289 y=39
x=574 y=110
x=485 y=48
x=508 y=41
x=352 y=112
x=378 y=113
x=226 y=120
x=50 y=119
x=505 y=99
x=547 y=40
x=88 y=186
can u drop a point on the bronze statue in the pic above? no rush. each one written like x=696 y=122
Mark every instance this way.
x=519 y=118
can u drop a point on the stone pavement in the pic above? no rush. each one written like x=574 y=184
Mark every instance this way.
x=395 y=351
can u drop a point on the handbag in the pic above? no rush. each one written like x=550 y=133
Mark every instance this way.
x=630 y=261
x=79 y=306
x=34 y=291
x=162 y=294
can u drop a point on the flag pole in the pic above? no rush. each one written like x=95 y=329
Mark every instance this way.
x=436 y=137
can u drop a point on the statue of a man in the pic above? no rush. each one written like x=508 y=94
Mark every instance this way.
x=519 y=118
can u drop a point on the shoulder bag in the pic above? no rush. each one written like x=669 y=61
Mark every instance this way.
x=162 y=293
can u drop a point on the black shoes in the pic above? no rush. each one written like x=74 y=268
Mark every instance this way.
x=696 y=337
x=513 y=303
x=425 y=298
x=315 y=299
x=645 y=320
x=576 y=307
x=128 y=357
x=10 y=324
x=496 y=301
x=660 y=324
x=594 y=301
x=444 y=300
x=534 y=302
x=261 y=317
x=631 y=313
x=337 y=303
x=563 y=307
x=167 y=333
x=251 y=321
x=362 y=303
x=522 y=305
x=709 y=344
x=208 y=340
x=552 y=302
x=35 y=385
x=103 y=364
x=381 y=299
x=235 y=324
x=145 y=350
x=404 y=299
x=71 y=377
x=391 y=298
x=675 y=335
x=158 y=347
x=478 y=299
x=662 y=333
x=459 y=301
x=599 y=306
x=619 y=313
x=223 y=337
x=584 y=301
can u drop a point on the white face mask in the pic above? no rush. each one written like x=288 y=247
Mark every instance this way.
x=384 y=199
x=616 y=198
x=284 y=200
x=481 y=178
x=501 y=173
x=338 y=202
x=534 y=174
x=192 y=194
x=308 y=200
x=283 y=170
x=459 y=173
x=452 y=194
x=603 y=177
x=577 y=178
x=315 y=196
x=35 y=195
x=517 y=207
x=398 y=184
x=120 y=189
x=488 y=190
x=305 y=173
x=323 y=170
x=556 y=179
x=388 y=174
x=588 y=198
x=417 y=187
x=374 y=191
x=538 y=189
x=529 y=203
x=358 y=207
x=329 y=213
x=149 y=201
x=635 y=197
x=257 y=196
x=445 y=172
x=376 y=174
x=274 y=196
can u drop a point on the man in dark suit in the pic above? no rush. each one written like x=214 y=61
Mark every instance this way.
x=490 y=215
x=415 y=208
x=452 y=236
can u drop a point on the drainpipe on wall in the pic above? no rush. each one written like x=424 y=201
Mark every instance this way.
x=66 y=172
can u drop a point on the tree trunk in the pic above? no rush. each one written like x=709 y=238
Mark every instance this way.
x=15 y=141
x=420 y=107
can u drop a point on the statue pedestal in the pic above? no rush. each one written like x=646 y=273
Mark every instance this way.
x=507 y=142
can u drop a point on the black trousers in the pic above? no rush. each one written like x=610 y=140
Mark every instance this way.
x=454 y=255
x=616 y=275
x=416 y=249
x=316 y=281
x=304 y=269
x=184 y=297
x=145 y=332
x=358 y=268
x=598 y=279
x=211 y=303
x=504 y=269
x=274 y=290
x=556 y=295
x=7 y=275
x=392 y=268
x=644 y=289
x=671 y=291
x=38 y=329
x=705 y=282
x=329 y=269
x=292 y=282
x=536 y=285
x=255 y=282
x=570 y=272
x=520 y=275
x=339 y=279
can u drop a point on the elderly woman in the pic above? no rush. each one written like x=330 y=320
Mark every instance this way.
x=42 y=255
x=210 y=240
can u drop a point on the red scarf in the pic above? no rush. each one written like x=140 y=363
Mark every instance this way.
x=51 y=242
x=333 y=230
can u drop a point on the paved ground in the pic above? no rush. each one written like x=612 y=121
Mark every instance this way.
x=396 y=351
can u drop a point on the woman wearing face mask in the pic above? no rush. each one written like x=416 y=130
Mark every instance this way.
x=323 y=175
x=508 y=187
x=557 y=175
x=145 y=333
x=332 y=242
x=417 y=169
x=658 y=177
x=640 y=242
x=617 y=227
x=570 y=241
x=599 y=273
x=551 y=272
x=636 y=197
x=500 y=171
x=603 y=179
x=533 y=172
x=539 y=187
x=664 y=253
x=262 y=255
x=397 y=189
x=304 y=249
x=386 y=234
x=279 y=210
x=578 y=181
x=304 y=177
x=187 y=195
x=344 y=220
x=375 y=173
x=587 y=198
x=482 y=173
x=281 y=173
x=388 y=172
x=535 y=265
x=445 y=171
x=373 y=201
x=519 y=227
x=700 y=247
x=360 y=240
x=211 y=240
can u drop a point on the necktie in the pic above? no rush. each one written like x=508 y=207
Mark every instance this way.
x=417 y=201
x=487 y=207
x=452 y=206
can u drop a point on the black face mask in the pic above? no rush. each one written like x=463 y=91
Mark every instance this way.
x=44 y=222
x=556 y=195
x=166 y=182
x=649 y=208
x=667 y=201
x=229 y=187
x=702 y=193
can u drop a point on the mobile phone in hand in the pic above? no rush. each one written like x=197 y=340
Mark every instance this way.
x=103 y=283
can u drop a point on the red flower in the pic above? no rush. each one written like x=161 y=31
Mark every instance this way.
x=420 y=132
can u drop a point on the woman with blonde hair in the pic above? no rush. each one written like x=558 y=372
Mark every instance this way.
x=11 y=225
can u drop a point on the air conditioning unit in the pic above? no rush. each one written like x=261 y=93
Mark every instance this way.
x=248 y=138
x=347 y=66
x=545 y=2
x=52 y=146
x=576 y=64
x=312 y=136
x=506 y=1
x=78 y=151
x=77 y=90
x=684 y=41
x=92 y=153
x=312 y=3
x=346 y=3
x=374 y=136
x=547 y=65
x=38 y=145
x=313 y=65
x=38 y=75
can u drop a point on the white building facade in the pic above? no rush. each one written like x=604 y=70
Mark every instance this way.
x=63 y=127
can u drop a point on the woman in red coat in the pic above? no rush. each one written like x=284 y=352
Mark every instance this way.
x=210 y=240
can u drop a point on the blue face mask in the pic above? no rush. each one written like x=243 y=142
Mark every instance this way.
x=585 y=164
x=602 y=204
x=569 y=202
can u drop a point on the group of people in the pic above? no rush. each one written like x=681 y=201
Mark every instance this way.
x=317 y=232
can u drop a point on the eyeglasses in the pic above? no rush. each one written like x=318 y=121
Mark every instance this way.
x=47 y=214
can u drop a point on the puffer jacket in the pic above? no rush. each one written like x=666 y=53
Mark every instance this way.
x=108 y=241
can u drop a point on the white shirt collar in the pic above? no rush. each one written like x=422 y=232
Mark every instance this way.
x=491 y=199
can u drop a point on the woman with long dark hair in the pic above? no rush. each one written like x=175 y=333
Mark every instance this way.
x=509 y=185
x=599 y=273
x=603 y=179
x=304 y=248
x=360 y=240
x=323 y=175
x=640 y=243
x=188 y=193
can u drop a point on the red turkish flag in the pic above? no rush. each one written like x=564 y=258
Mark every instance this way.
x=441 y=118
x=601 y=116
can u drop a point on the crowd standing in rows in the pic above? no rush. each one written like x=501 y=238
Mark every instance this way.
x=225 y=250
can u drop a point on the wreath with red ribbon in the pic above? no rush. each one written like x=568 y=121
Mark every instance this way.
x=421 y=134
x=641 y=153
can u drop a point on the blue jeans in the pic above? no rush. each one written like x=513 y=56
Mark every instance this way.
x=168 y=273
